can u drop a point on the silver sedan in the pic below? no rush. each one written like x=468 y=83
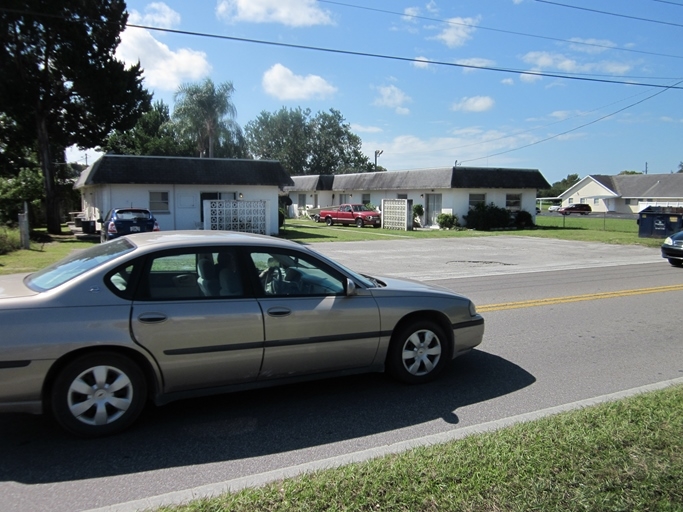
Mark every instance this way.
x=161 y=316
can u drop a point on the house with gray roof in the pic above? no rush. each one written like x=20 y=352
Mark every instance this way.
x=176 y=189
x=626 y=193
x=441 y=190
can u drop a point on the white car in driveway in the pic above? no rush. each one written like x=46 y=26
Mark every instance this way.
x=554 y=207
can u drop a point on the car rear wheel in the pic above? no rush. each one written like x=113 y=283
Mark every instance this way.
x=418 y=353
x=98 y=394
x=328 y=221
x=675 y=262
x=359 y=222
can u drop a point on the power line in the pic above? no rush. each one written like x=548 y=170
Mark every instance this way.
x=402 y=59
x=511 y=32
x=610 y=13
x=576 y=128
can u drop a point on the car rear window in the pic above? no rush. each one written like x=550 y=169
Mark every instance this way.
x=77 y=264
x=133 y=214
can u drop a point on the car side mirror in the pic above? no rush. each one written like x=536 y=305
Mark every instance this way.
x=350 y=288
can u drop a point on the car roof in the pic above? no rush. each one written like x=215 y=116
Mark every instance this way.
x=172 y=239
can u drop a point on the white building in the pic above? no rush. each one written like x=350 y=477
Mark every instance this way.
x=443 y=190
x=176 y=188
x=626 y=193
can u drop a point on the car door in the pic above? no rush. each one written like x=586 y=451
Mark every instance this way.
x=201 y=336
x=311 y=324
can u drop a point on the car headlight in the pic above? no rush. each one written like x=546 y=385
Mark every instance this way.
x=473 y=309
x=668 y=241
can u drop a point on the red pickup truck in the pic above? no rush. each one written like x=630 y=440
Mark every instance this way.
x=357 y=214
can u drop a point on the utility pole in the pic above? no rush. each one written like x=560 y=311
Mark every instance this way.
x=377 y=153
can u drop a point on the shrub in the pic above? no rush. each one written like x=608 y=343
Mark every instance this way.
x=418 y=211
x=523 y=219
x=485 y=217
x=447 y=221
x=10 y=240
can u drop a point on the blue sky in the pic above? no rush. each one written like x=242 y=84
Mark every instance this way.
x=433 y=102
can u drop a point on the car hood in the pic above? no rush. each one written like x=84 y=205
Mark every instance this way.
x=400 y=287
x=13 y=286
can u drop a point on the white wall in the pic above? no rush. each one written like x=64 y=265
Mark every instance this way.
x=183 y=202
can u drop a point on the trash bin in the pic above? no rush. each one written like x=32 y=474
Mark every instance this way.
x=660 y=221
x=89 y=226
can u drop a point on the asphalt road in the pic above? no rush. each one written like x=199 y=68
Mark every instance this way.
x=609 y=323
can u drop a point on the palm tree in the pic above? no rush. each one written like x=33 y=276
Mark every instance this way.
x=206 y=114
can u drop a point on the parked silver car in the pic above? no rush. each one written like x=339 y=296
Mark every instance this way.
x=161 y=316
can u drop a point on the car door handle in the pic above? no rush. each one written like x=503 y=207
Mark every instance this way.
x=279 y=311
x=152 y=318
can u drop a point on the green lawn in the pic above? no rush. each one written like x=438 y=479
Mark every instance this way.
x=620 y=456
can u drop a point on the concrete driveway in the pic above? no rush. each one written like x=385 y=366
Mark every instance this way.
x=443 y=258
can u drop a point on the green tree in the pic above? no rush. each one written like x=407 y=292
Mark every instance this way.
x=323 y=144
x=680 y=167
x=629 y=173
x=206 y=115
x=283 y=136
x=154 y=134
x=560 y=186
x=335 y=149
x=60 y=83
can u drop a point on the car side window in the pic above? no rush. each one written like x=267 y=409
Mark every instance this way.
x=195 y=274
x=291 y=274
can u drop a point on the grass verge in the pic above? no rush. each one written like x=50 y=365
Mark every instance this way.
x=619 y=456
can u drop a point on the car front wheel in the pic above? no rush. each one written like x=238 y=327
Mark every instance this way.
x=418 y=353
x=98 y=394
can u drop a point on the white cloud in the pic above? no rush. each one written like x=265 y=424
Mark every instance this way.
x=458 y=32
x=475 y=62
x=507 y=81
x=604 y=45
x=421 y=62
x=409 y=14
x=529 y=78
x=474 y=104
x=392 y=97
x=560 y=62
x=157 y=14
x=164 y=69
x=365 y=129
x=293 y=13
x=281 y=83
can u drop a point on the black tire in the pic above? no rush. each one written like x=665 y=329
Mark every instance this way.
x=106 y=411
x=328 y=221
x=359 y=222
x=676 y=263
x=418 y=353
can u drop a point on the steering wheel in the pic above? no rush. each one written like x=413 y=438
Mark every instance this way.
x=274 y=279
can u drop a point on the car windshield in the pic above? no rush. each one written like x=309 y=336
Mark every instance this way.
x=76 y=264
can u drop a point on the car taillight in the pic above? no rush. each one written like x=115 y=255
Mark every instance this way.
x=111 y=228
x=156 y=226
